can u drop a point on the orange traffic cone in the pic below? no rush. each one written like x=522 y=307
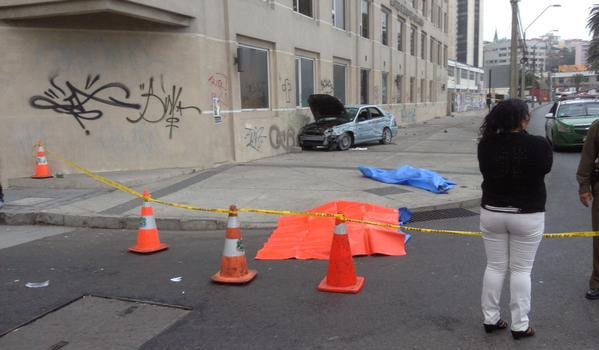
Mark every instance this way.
x=341 y=277
x=148 y=240
x=233 y=269
x=42 y=169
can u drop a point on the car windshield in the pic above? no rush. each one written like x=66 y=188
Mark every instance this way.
x=349 y=114
x=578 y=110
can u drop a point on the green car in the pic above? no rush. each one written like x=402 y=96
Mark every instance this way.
x=568 y=122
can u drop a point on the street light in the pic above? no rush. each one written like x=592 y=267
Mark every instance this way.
x=524 y=59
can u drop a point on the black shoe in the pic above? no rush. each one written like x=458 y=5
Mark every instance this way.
x=592 y=294
x=523 y=334
x=501 y=324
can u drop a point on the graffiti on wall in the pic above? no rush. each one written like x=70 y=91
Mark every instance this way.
x=219 y=87
x=162 y=105
x=84 y=104
x=326 y=86
x=284 y=139
x=287 y=90
x=76 y=102
x=254 y=137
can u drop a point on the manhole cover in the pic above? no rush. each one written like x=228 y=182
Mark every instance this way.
x=386 y=191
x=94 y=323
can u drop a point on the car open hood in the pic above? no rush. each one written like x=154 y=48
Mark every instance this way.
x=326 y=106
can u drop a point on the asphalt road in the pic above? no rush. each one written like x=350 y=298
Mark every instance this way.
x=428 y=299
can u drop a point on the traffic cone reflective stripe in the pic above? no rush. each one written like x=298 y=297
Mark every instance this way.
x=148 y=240
x=341 y=276
x=42 y=169
x=233 y=268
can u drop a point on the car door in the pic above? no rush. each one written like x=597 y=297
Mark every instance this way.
x=363 y=127
x=377 y=122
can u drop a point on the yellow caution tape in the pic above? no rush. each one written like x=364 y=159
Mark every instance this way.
x=340 y=217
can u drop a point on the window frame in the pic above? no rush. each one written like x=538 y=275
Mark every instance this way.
x=334 y=16
x=268 y=77
x=296 y=8
x=423 y=37
x=413 y=40
x=345 y=75
x=298 y=79
x=365 y=30
x=401 y=24
x=384 y=87
x=385 y=25
x=364 y=92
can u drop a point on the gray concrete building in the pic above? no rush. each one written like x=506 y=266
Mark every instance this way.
x=144 y=84
x=465 y=75
x=469 y=49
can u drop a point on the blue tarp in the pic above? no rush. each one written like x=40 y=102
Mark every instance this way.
x=407 y=175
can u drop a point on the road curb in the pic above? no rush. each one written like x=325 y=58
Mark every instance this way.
x=164 y=223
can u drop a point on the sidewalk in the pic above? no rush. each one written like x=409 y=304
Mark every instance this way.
x=294 y=181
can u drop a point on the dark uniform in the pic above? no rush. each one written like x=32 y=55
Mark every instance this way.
x=588 y=179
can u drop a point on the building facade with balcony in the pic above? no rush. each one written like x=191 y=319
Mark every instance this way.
x=144 y=84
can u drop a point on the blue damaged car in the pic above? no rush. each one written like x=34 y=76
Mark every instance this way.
x=339 y=127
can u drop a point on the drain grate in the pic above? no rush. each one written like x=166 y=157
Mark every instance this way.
x=442 y=214
x=385 y=191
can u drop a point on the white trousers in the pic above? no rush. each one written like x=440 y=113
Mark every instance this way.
x=511 y=240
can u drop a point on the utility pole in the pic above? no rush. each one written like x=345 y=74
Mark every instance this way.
x=514 y=48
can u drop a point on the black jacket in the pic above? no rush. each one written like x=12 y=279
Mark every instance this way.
x=513 y=166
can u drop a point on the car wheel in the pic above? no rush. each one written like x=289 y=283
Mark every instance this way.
x=386 y=137
x=344 y=142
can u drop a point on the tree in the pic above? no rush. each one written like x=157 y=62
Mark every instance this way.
x=593 y=25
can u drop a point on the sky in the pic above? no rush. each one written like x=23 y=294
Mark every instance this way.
x=569 y=20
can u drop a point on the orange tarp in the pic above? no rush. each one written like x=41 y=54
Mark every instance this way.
x=303 y=237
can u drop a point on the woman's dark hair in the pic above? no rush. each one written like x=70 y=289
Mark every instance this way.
x=506 y=116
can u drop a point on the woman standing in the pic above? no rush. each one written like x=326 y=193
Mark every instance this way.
x=512 y=219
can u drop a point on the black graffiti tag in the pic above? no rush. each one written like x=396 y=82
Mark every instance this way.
x=278 y=138
x=170 y=107
x=74 y=101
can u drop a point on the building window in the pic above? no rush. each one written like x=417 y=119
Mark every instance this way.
x=439 y=59
x=415 y=4
x=450 y=71
x=338 y=13
x=253 y=78
x=431 y=89
x=400 y=31
x=424 y=7
x=339 y=77
x=303 y=6
x=432 y=50
x=444 y=55
x=412 y=90
x=413 y=34
x=423 y=45
x=365 y=23
x=471 y=75
x=445 y=24
x=384 y=84
x=304 y=80
x=363 y=86
x=385 y=27
x=422 y=90
x=398 y=88
x=464 y=74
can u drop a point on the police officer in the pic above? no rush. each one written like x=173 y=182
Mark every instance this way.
x=587 y=176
